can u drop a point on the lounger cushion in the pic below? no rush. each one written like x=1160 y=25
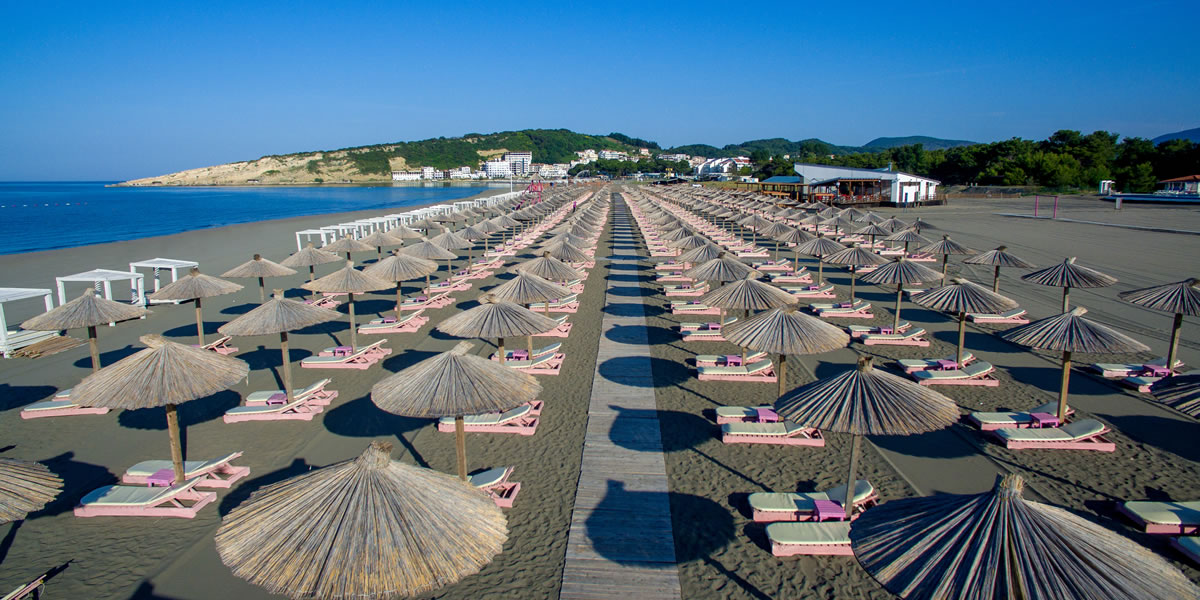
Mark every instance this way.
x=740 y=412
x=803 y=502
x=828 y=533
x=1078 y=430
x=492 y=418
x=132 y=495
x=489 y=477
x=926 y=363
x=760 y=429
x=264 y=395
x=1166 y=513
x=50 y=405
x=971 y=371
x=191 y=468
x=1013 y=418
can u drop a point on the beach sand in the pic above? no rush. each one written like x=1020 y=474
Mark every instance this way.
x=721 y=553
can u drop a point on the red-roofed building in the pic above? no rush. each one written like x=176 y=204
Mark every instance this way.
x=1188 y=184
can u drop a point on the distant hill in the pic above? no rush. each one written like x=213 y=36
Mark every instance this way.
x=1191 y=135
x=930 y=143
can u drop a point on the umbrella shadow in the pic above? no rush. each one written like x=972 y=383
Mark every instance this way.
x=243 y=490
x=975 y=340
x=1172 y=435
x=627 y=309
x=78 y=479
x=623 y=277
x=637 y=334
x=627 y=291
x=623 y=257
x=189 y=413
x=627 y=267
x=271 y=358
x=16 y=396
x=631 y=370
x=112 y=356
x=329 y=328
x=943 y=443
x=377 y=306
x=624 y=529
x=239 y=309
x=398 y=362
x=189 y=330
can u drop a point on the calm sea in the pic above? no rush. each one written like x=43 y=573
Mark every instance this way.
x=44 y=216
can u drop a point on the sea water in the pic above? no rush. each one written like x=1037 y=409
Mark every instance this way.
x=44 y=216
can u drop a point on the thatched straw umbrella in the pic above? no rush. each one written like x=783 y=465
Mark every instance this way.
x=700 y=254
x=310 y=257
x=25 y=487
x=425 y=225
x=430 y=251
x=381 y=238
x=900 y=272
x=347 y=244
x=549 y=268
x=871 y=231
x=893 y=224
x=88 y=310
x=785 y=330
x=1000 y=257
x=527 y=288
x=196 y=286
x=566 y=252
x=454 y=384
x=945 y=247
x=907 y=236
x=280 y=315
x=401 y=232
x=350 y=281
x=773 y=231
x=723 y=268
x=163 y=374
x=400 y=268
x=689 y=242
x=1068 y=275
x=820 y=247
x=1181 y=298
x=494 y=318
x=367 y=528
x=855 y=257
x=962 y=297
x=1000 y=545
x=261 y=268
x=748 y=295
x=472 y=233
x=1070 y=332
x=797 y=237
x=1182 y=392
x=867 y=401
x=450 y=241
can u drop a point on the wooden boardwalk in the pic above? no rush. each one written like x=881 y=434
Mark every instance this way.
x=620 y=543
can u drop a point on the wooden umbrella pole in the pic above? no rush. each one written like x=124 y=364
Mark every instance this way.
x=962 y=336
x=176 y=449
x=782 y=373
x=428 y=285
x=353 y=330
x=1067 y=299
x=1062 y=393
x=1174 y=348
x=996 y=280
x=500 y=348
x=262 y=290
x=945 y=263
x=460 y=446
x=848 y=507
x=312 y=273
x=399 y=297
x=94 y=347
x=820 y=269
x=853 y=280
x=745 y=317
x=899 y=296
x=287 y=366
x=199 y=324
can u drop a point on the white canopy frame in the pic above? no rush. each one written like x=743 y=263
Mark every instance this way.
x=309 y=234
x=102 y=280
x=11 y=341
x=157 y=264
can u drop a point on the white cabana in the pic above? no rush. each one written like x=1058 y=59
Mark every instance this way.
x=308 y=235
x=11 y=341
x=157 y=264
x=102 y=280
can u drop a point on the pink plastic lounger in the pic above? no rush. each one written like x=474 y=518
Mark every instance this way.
x=59 y=408
x=728 y=360
x=216 y=473
x=1123 y=370
x=825 y=290
x=1016 y=315
x=546 y=364
x=522 y=420
x=181 y=500
x=773 y=507
x=361 y=359
x=791 y=278
x=702 y=335
x=673 y=278
x=761 y=371
x=330 y=301
x=915 y=337
x=753 y=253
x=495 y=483
x=912 y=365
x=710 y=326
x=569 y=304
x=1084 y=434
x=409 y=323
x=300 y=409
x=823 y=538
x=978 y=374
x=523 y=354
x=857 y=310
x=563 y=330
x=441 y=300
x=314 y=393
x=991 y=421
x=448 y=287
x=219 y=345
x=692 y=308
x=861 y=330
x=777 y=434
x=782 y=264
x=1175 y=518
x=685 y=290
x=747 y=414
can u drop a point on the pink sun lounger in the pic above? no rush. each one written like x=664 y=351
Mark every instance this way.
x=785 y=278
x=782 y=264
x=546 y=364
x=723 y=360
x=1123 y=370
x=977 y=374
x=1016 y=315
x=912 y=365
x=915 y=337
x=692 y=308
x=746 y=414
x=522 y=420
x=448 y=287
x=991 y=421
x=181 y=500
x=59 y=407
x=686 y=290
x=409 y=323
x=831 y=538
x=675 y=277
x=521 y=354
x=1174 y=518
x=300 y=409
x=314 y=393
x=858 y=310
x=495 y=483
x=774 y=507
x=669 y=265
x=216 y=473
x=562 y=331
x=330 y=301
x=776 y=434
x=220 y=345
x=713 y=326
x=825 y=290
x=702 y=335
x=861 y=330
x=568 y=304
x=361 y=359
x=1084 y=434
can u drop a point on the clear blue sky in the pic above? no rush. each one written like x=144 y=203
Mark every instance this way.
x=120 y=90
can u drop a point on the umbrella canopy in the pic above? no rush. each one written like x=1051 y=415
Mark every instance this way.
x=999 y=545
x=1000 y=257
x=310 y=257
x=906 y=237
x=820 y=247
x=1067 y=275
x=1182 y=392
x=451 y=241
x=196 y=286
x=382 y=238
x=401 y=232
x=261 y=268
x=867 y=401
x=425 y=224
x=429 y=251
x=566 y=252
x=350 y=281
x=855 y=256
x=163 y=374
x=1070 y=332
x=399 y=268
x=454 y=384
x=893 y=224
x=494 y=318
x=88 y=310
x=280 y=315
x=785 y=330
x=347 y=244
x=900 y=272
x=1181 y=298
x=747 y=294
x=550 y=268
x=946 y=247
x=962 y=297
x=700 y=254
x=721 y=268
x=368 y=528
x=25 y=487
x=689 y=242
x=527 y=288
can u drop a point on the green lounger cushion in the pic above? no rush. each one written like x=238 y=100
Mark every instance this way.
x=803 y=501
x=740 y=412
x=133 y=495
x=191 y=468
x=827 y=533
x=264 y=395
x=1013 y=418
x=925 y=363
x=1070 y=432
x=1166 y=513
x=50 y=405
x=492 y=418
x=976 y=369
x=264 y=409
x=488 y=477
x=771 y=429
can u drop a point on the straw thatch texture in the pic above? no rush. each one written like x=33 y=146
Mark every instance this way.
x=472 y=232
x=999 y=545
x=689 y=242
x=404 y=233
x=494 y=318
x=722 y=268
x=873 y=230
x=401 y=267
x=548 y=267
x=425 y=224
x=747 y=294
x=163 y=373
x=1073 y=333
x=278 y=315
x=794 y=236
x=903 y=271
x=907 y=236
x=675 y=235
x=347 y=244
x=1069 y=274
x=820 y=246
x=566 y=251
x=365 y=528
x=309 y=257
x=505 y=221
x=786 y=330
x=856 y=256
x=1180 y=391
x=1182 y=297
x=195 y=285
x=701 y=254
x=429 y=251
x=382 y=238
x=88 y=310
x=259 y=267
x=452 y=384
x=946 y=246
x=450 y=241
x=347 y=279
x=1000 y=257
x=894 y=224
x=25 y=486
x=867 y=401
x=527 y=288
x=962 y=296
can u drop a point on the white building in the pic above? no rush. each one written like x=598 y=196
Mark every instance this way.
x=459 y=173
x=519 y=162
x=497 y=168
x=644 y=151
x=900 y=188
x=674 y=157
x=717 y=166
x=586 y=156
x=406 y=175
x=556 y=171
x=613 y=155
x=427 y=172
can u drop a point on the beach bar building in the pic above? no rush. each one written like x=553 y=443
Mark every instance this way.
x=850 y=185
x=1188 y=184
x=13 y=340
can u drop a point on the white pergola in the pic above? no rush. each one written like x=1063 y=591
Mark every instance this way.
x=11 y=341
x=157 y=264
x=102 y=280
x=308 y=235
